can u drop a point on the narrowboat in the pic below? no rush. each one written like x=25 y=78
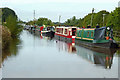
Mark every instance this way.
x=95 y=37
x=65 y=33
x=48 y=31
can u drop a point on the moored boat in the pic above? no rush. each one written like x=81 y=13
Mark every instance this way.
x=48 y=31
x=66 y=33
x=95 y=37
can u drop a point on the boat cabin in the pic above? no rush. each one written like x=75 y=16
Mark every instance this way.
x=66 y=33
x=95 y=35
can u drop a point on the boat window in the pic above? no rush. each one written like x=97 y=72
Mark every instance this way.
x=58 y=30
x=88 y=34
x=62 y=31
x=65 y=31
x=73 y=31
x=91 y=34
x=79 y=33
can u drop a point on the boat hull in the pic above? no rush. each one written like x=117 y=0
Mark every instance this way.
x=62 y=38
x=45 y=33
x=109 y=44
x=48 y=34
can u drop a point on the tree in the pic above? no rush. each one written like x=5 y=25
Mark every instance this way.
x=11 y=23
x=6 y=12
x=0 y=16
x=41 y=22
x=114 y=19
x=86 y=20
x=71 y=22
x=98 y=18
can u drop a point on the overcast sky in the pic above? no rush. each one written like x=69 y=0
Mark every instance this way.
x=53 y=8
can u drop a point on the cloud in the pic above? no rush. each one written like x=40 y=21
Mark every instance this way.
x=53 y=8
x=56 y=1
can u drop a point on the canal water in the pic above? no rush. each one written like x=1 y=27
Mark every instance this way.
x=34 y=56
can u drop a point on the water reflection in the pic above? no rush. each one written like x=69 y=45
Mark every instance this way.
x=105 y=58
x=100 y=59
x=64 y=46
x=50 y=58
x=98 y=56
x=12 y=49
x=41 y=37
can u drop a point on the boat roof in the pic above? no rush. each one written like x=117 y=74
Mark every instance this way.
x=66 y=27
x=91 y=28
x=86 y=28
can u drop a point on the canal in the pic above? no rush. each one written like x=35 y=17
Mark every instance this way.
x=34 y=56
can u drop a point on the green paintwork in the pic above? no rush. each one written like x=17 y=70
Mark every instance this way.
x=100 y=41
x=83 y=34
x=90 y=41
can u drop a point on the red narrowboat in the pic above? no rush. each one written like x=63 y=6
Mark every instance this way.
x=66 y=33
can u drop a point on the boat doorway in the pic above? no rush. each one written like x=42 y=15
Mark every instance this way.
x=73 y=31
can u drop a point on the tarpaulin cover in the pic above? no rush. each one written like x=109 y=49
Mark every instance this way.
x=100 y=33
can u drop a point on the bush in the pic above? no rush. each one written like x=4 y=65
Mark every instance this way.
x=6 y=37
